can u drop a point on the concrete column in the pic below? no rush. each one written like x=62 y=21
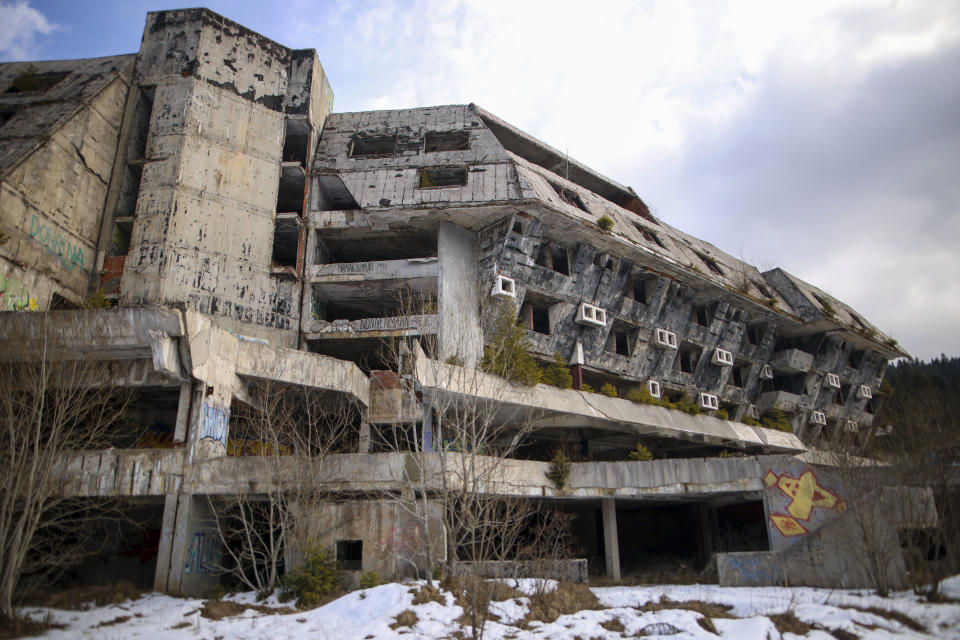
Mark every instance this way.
x=161 y=575
x=611 y=543
x=196 y=553
x=363 y=446
x=460 y=332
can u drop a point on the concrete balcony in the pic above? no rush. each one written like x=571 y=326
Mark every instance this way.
x=394 y=326
x=782 y=400
x=792 y=360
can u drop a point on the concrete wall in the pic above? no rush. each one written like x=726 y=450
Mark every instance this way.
x=52 y=199
x=460 y=334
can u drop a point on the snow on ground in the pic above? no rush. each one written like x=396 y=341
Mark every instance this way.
x=368 y=615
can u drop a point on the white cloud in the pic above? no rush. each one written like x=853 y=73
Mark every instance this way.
x=20 y=24
x=821 y=135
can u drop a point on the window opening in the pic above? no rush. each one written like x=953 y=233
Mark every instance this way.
x=518 y=227
x=687 y=358
x=649 y=236
x=437 y=177
x=29 y=81
x=754 y=334
x=554 y=256
x=605 y=261
x=286 y=242
x=739 y=375
x=350 y=554
x=5 y=116
x=701 y=315
x=569 y=196
x=711 y=264
x=446 y=141
x=621 y=340
x=373 y=146
x=535 y=317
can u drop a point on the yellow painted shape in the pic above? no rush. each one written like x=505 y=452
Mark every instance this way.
x=805 y=494
x=787 y=525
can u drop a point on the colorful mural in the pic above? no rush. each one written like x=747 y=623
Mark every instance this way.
x=805 y=493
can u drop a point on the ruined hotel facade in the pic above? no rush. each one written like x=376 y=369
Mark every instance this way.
x=247 y=233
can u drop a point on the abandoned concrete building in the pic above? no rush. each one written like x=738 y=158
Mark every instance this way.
x=247 y=233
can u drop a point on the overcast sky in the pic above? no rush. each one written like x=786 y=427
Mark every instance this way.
x=821 y=137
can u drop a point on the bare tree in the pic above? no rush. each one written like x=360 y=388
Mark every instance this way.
x=52 y=404
x=279 y=445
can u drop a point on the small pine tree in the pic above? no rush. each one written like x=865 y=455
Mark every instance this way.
x=315 y=579
x=507 y=354
x=557 y=373
x=641 y=453
x=560 y=466
x=587 y=388
x=609 y=390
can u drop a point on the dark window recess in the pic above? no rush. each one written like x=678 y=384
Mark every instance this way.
x=711 y=264
x=621 y=340
x=790 y=383
x=518 y=227
x=350 y=554
x=295 y=148
x=373 y=146
x=29 y=81
x=763 y=289
x=286 y=242
x=701 y=315
x=841 y=394
x=640 y=287
x=5 y=116
x=120 y=239
x=58 y=302
x=569 y=196
x=738 y=375
x=687 y=358
x=442 y=177
x=535 y=316
x=855 y=359
x=448 y=141
x=554 y=257
x=649 y=236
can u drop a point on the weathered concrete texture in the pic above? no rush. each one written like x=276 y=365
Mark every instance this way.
x=56 y=158
x=122 y=473
x=591 y=409
x=460 y=334
x=859 y=549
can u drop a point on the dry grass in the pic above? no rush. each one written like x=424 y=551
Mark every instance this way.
x=843 y=634
x=428 y=593
x=404 y=619
x=706 y=609
x=896 y=616
x=219 y=609
x=613 y=625
x=567 y=598
x=19 y=627
x=85 y=597
x=117 y=620
x=707 y=625
x=181 y=625
x=786 y=622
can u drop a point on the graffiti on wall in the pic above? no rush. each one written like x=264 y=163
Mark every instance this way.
x=804 y=494
x=203 y=556
x=752 y=569
x=158 y=436
x=69 y=254
x=14 y=295
x=212 y=434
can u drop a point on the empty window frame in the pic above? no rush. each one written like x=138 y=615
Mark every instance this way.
x=621 y=339
x=569 y=196
x=649 y=235
x=754 y=334
x=640 y=287
x=439 y=177
x=32 y=82
x=286 y=241
x=5 y=116
x=739 y=375
x=711 y=264
x=554 y=256
x=535 y=316
x=701 y=315
x=436 y=141
x=687 y=357
x=350 y=554
x=366 y=146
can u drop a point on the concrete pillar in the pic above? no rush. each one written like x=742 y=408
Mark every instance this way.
x=196 y=553
x=611 y=543
x=460 y=333
x=161 y=575
x=363 y=446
